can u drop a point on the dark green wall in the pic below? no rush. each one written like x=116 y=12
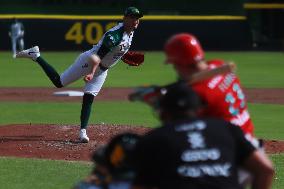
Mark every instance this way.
x=151 y=34
x=110 y=7
x=265 y=25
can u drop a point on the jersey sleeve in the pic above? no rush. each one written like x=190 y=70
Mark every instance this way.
x=107 y=45
x=109 y=41
x=243 y=146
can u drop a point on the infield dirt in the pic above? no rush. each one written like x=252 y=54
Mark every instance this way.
x=61 y=141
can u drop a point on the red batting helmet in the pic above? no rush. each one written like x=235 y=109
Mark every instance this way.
x=183 y=49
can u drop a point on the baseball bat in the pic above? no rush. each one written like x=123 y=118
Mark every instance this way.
x=206 y=74
x=148 y=92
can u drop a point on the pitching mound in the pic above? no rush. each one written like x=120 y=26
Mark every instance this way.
x=61 y=142
x=57 y=142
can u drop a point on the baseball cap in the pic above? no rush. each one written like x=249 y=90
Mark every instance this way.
x=133 y=11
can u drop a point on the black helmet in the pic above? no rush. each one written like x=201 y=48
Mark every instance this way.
x=117 y=156
x=99 y=157
x=178 y=97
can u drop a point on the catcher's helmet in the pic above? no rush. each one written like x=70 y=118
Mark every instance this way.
x=183 y=49
x=117 y=156
x=179 y=98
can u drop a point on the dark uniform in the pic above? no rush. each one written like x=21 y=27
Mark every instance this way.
x=192 y=154
x=113 y=164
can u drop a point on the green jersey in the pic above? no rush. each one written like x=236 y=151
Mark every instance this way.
x=113 y=45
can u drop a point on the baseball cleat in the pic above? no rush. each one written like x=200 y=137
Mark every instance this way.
x=32 y=53
x=83 y=136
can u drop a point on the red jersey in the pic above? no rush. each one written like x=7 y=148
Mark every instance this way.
x=224 y=98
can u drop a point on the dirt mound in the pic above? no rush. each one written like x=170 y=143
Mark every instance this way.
x=274 y=146
x=57 y=142
x=61 y=142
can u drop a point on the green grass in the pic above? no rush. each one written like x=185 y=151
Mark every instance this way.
x=278 y=160
x=153 y=71
x=26 y=73
x=18 y=173
x=268 y=124
x=268 y=120
x=69 y=113
x=256 y=69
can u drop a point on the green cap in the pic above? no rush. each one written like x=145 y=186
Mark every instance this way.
x=133 y=11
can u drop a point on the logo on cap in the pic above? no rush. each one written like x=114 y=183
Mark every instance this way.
x=133 y=11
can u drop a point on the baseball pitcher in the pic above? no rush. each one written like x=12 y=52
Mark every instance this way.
x=93 y=64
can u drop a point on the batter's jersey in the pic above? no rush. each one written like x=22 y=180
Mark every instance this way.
x=195 y=154
x=224 y=98
x=113 y=45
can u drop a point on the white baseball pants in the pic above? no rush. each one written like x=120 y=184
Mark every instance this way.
x=80 y=68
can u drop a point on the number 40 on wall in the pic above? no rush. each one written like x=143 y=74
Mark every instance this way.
x=92 y=32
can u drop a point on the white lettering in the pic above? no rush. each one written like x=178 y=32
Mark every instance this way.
x=215 y=170
x=200 y=155
x=212 y=84
x=207 y=170
x=189 y=171
x=198 y=125
x=196 y=140
x=229 y=78
x=241 y=119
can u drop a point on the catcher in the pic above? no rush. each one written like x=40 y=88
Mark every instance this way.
x=113 y=164
x=93 y=64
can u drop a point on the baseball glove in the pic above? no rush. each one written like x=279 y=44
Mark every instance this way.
x=133 y=58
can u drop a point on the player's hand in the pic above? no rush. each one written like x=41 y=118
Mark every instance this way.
x=232 y=66
x=88 y=77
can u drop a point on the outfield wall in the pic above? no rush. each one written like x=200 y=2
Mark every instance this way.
x=53 y=32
